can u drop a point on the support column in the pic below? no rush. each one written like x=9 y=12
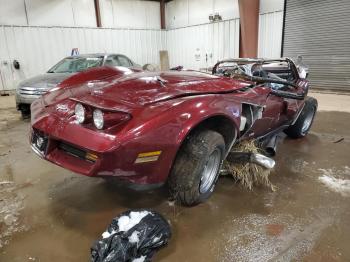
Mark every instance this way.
x=162 y=14
x=249 y=28
x=98 y=13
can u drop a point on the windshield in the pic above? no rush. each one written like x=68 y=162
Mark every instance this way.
x=76 y=64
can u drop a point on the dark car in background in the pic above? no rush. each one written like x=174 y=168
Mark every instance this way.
x=32 y=88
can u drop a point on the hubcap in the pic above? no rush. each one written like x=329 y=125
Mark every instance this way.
x=307 y=122
x=210 y=171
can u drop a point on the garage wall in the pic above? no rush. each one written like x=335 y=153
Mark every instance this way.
x=80 y=13
x=194 y=42
x=39 y=48
x=47 y=13
x=199 y=47
x=182 y=13
x=38 y=33
x=130 y=14
x=270 y=28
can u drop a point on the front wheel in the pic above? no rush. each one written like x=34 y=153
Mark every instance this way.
x=304 y=122
x=25 y=114
x=196 y=168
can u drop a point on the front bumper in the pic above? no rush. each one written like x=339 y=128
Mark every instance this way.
x=68 y=156
x=119 y=163
x=25 y=99
x=27 y=95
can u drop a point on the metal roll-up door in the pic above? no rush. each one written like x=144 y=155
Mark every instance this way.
x=319 y=31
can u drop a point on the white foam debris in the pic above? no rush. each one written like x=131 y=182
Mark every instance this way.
x=6 y=182
x=156 y=239
x=338 y=185
x=10 y=219
x=134 y=237
x=139 y=259
x=336 y=180
x=127 y=222
x=106 y=234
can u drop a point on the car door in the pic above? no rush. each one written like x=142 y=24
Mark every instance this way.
x=281 y=110
x=292 y=106
x=266 y=108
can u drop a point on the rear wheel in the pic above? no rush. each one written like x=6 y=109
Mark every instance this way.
x=196 y=168
x=304 y=122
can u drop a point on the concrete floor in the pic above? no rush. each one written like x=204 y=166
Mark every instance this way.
x=50 y=214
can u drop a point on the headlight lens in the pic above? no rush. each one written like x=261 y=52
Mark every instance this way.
x=80 y=113
x=98 y=118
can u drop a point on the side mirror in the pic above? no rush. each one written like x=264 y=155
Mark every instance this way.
x=302 y=73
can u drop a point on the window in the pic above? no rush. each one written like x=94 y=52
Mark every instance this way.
x=76 y=64
x=124 y=61
x=112 y=61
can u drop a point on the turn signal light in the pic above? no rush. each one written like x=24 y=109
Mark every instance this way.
x=91 y=157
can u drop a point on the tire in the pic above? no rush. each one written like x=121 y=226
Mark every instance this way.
x=25 y=114
x=304 y=122
x=196 y=168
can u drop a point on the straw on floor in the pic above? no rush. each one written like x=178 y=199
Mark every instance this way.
x=249 y=175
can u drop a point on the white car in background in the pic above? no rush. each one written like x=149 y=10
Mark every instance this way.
x=32 y=88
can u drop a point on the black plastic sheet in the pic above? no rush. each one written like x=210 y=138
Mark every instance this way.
x=133 y=236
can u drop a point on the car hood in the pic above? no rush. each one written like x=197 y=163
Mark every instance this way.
x=45 y=81
x=139 y=89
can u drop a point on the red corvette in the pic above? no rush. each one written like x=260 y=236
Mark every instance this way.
x=176 y=126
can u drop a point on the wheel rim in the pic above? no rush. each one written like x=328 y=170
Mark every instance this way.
x=307 y=122
x=210 y=171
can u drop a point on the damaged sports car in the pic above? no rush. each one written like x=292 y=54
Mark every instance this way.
x=174 y=127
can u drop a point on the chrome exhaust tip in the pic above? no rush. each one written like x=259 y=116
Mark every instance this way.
x=247 y=157
x=263 y=161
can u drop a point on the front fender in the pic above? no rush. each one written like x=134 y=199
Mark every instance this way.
x=164 y=126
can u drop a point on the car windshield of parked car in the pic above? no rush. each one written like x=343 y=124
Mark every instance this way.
x=76 y=64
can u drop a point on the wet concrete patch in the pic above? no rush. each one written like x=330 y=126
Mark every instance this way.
x=11 y=205
x=304 y=219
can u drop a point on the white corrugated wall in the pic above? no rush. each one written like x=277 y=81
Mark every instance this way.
x=182 y=13
x=39 y=48
x=201 y=46
x=270 y=34
x=81 y=13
